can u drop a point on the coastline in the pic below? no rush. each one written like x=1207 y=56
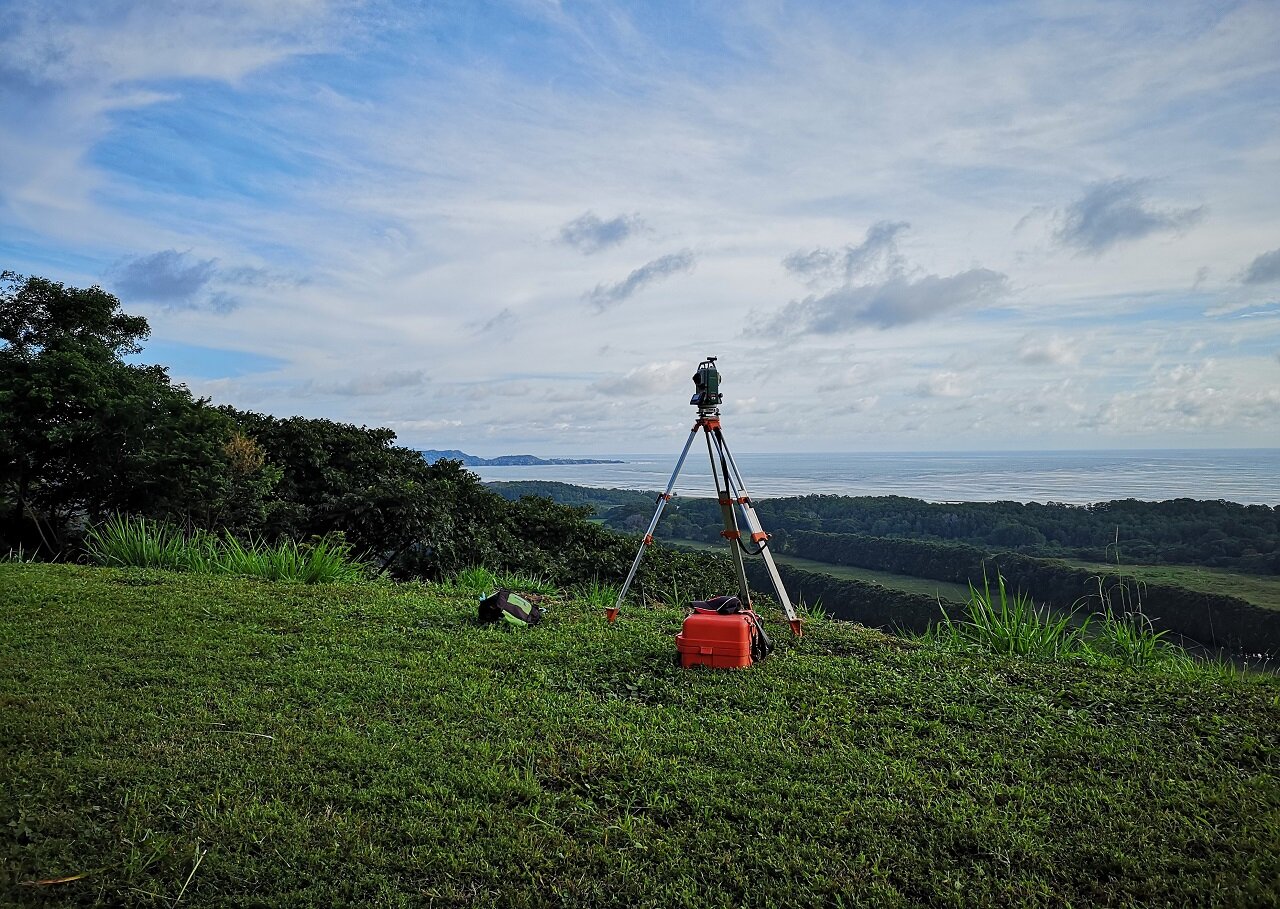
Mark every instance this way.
x=1246 y=476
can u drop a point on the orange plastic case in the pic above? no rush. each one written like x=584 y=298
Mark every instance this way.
x=719 y=641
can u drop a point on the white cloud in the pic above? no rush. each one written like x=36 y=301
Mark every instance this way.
x=945 y=385
x=665 y=377
x=1051 y=351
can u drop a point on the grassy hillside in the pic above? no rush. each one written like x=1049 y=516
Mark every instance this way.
x=181 y=739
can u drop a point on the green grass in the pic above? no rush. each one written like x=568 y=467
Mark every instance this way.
x=1261 y=590
x=944 y=590
x=229 y=741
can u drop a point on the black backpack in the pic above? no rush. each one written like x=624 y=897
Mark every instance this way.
x=505 y=606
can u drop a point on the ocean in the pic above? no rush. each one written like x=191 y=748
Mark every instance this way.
x=1249 y=476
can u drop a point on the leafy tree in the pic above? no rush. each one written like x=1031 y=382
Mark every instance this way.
x=83 y=433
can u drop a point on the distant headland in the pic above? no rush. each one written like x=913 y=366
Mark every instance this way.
x=521 y=460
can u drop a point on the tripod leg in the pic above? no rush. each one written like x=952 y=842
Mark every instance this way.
x=663 y=499
x=730 y=532
x=752 y=520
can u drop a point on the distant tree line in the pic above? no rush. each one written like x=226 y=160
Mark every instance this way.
x=1178 y=531
x=85 y=434
x=599 y=500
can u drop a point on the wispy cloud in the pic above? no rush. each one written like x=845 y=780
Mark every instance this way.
x=876 y=288
x=1116 y=211
x=1052 y=351
x=606 y=296
x=589 y=234
x=878 y=252
x=1265 y=269
x=944 y=385
x=500 y=323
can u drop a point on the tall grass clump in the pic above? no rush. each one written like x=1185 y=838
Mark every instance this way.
x=1124 y=632
x=122 y=541
x=599 y=594
x=476 y=580
x=1132 y=639
x=1009 y=624
x=326 y=561
x=812 y=615
x=527 y=582
x=128 y=542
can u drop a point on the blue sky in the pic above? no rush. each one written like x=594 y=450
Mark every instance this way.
x=929 y=226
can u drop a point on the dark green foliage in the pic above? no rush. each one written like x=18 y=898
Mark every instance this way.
x=82 y=433
x=371 y=745
x=411 y=517
x=1212 y=533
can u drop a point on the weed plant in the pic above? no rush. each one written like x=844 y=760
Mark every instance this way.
x=599 y=595
x=1119 y=633
x=324 y=561
x=127 y=542
x=1124 y=631
x=1011 y=625
x=812 y=615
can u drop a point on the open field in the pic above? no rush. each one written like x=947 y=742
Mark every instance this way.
x=189 y=740
x=1261 y=590
x=955 y=592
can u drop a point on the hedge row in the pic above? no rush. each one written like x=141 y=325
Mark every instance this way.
x=855 y=601
x=1213 y=619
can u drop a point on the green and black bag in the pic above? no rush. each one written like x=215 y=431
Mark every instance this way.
x=505 y=606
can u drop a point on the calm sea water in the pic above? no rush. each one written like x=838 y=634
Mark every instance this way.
x=1251 y=476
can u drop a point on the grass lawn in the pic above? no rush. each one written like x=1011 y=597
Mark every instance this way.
x=1259 y=589
x=957 y=593
x=212 y=741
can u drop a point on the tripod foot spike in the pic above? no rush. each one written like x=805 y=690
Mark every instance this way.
x=795 y=628
x=611 y=614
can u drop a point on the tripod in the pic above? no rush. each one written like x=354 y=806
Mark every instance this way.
x=731 y=491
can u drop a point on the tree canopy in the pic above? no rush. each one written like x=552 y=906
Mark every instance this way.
x=84 y=433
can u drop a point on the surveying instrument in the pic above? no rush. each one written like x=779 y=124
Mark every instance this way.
x=731 y=492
